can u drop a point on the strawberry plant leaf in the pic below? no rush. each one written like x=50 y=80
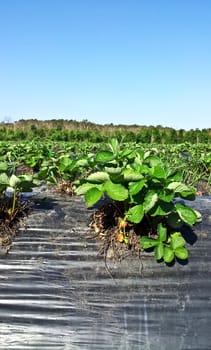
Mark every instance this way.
x=14 y=181
x=82 y=189
x=181 y=253
x=136 y=186
x=92 y=196
x=159 y=251
x=147 y=242
x=116 y=192
x=159 y=172
x=182 y=190
x=149 y=201
x=104 y=156
x=177 y=240
x=3 y=166
x=4 y=179
x=186 y=213
x=131 y=175
x=98 y=177
x=162 y=233
x=198 y=215
x=166 y=195
x=135 y=214
x=162 y=208
x=168 y=254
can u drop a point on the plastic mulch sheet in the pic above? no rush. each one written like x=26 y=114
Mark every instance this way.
x=56 y=294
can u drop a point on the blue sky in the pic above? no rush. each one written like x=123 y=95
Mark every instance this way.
x=145 y=62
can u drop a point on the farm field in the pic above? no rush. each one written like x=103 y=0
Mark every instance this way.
x=55 y=162
x=142 y=178
x=59 y=276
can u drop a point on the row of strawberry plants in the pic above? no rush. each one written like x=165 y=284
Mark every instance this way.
x=194 y=161
x=141 y=182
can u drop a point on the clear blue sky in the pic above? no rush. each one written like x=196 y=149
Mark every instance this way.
x=145 y=62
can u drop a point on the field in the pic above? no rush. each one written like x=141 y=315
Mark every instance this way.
x=141 y=180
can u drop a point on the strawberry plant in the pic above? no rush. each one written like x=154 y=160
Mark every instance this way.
x=142 y=190
x=12 y=208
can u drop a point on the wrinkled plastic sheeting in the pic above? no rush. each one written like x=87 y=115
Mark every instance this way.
x=56 y=293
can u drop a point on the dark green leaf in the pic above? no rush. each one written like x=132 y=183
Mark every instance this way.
x=166 y=195
x=174 y=220
x=162 y=208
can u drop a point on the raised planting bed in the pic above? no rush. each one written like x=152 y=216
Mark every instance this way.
x=57 y=293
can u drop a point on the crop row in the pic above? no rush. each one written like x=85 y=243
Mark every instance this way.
x=142 y=182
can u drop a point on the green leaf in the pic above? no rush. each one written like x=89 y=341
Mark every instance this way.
x=136 y=187
x=153 y=160
x=82 y=189
x=198 y=215
x=162 y=233
x=116 y=192
x=181 y=253
x=175 y=176
x=159 y=172
x=3 y=166
x=178 y=187
x=98 y=177
x=135 y=214
x=92 y=196
x=113 y=171
x=177 y=240
x=147 y=242
x=131 y=175
x=81 y=162
x=187 y=214
x=64 y=162
x=159 y=251
x=104 y=156
x=166 y=195
x=4 y=179
x=162 y=208
x=168 y=255
x=149 y=201
x=182 y=190
x=114 y=145
x=14 y=181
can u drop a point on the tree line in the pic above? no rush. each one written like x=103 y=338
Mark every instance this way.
x=71 y=130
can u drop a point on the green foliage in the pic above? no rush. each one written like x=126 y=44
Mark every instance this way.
x=145 y=187
x=166 y=247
